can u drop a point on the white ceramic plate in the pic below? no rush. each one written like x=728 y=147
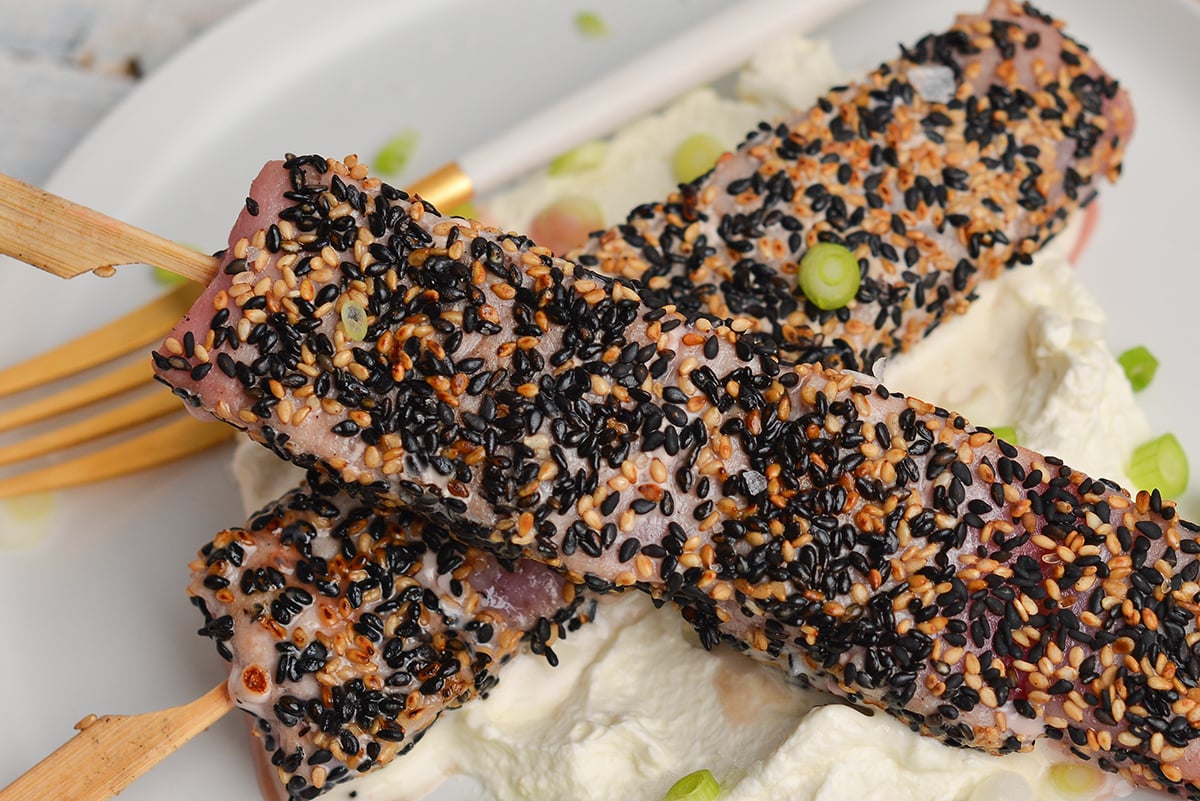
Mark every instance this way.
x=94 y=618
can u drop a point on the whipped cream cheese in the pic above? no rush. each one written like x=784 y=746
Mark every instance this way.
x=1031 y=355
x=635 y=702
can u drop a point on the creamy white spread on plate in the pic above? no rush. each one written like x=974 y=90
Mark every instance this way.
x=635 y=702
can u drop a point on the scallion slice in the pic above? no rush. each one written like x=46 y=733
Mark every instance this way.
x=591 y=25
x=1075 y=781
x=354 y=320
x=829 y=275
x=167 y=277
x=1006 y=433
x=585 y=157
x=394 y=156
x=1160 y=464
x=695 y=156
x=1139 y=365
x=697 y=786
x=467 y=210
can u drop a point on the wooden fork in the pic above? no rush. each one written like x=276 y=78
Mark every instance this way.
x=67 y=239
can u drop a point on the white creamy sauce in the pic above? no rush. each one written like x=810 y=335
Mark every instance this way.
x=637 y=162
x=1031 y=355
x=635 y=702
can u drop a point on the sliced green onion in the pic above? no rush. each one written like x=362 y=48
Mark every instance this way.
x=1006 y=433
x=1139 y=365
x=167 y=277
x=697 y=786
x=1160 y=464
x=393 y=157
x=1075 y=781
x=587 y=156
x=354 y=320
x=829 y=275
x=695 y=156
x=467 y=210
x=590 y=25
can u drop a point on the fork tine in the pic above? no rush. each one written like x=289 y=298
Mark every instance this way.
x=173 y=440
x=120 y=380
x=149 y=407
x=135 y=330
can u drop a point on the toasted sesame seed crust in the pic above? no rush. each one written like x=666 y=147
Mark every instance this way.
x=940 y=169
x=350 y=632
x=876 y=544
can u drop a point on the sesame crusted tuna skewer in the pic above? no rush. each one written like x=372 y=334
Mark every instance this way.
x=882 y=546
x=348 y=633
x=617 y=248
x=622 y=250
x=940 y=169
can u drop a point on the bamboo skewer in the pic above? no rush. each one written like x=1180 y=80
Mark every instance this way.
x=110 y=752
x=67 y=239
